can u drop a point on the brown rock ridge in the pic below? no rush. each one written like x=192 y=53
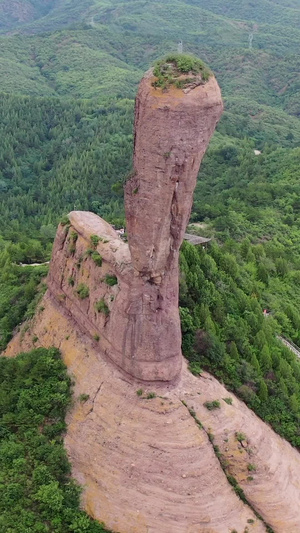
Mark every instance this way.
x=138 y=324
x=145 y=464
x=172 y=132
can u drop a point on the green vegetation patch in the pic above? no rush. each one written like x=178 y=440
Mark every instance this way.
x=65 y=221
x=102 y=307
x=215 y=404
x=180 y=70
x=111 y=280
x=97 y=258
x=95 y=239
x=227 y=333
x=195 y=368
x=82 y=291
x=37 y=493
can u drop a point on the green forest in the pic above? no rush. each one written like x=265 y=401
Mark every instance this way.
x=69 y=74
x=37 y=494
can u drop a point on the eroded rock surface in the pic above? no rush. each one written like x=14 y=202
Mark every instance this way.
x=138 y=324
x=172 y=132
x=145 y=465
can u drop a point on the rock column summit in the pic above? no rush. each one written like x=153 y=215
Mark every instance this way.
x=138 y=321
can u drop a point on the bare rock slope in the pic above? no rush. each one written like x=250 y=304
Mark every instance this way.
x=140 y=440
x=145 y=464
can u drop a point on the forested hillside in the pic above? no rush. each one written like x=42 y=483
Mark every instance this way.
x=69 y=72
x=37 y=494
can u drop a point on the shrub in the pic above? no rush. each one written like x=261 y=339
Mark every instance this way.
x=150 y=395
x=84 y=397
x=65 y=221
x=215 y=404
x=228 y=400
x=251 y=467
x=139 y=392
x=97 y=258
x=72 y=242
x=102 y=307
x=95 y=239
x=96 y=337
x=111 y=280
x=73 y=236
x=195 y=368
x=240 y=436
x=71 y=281
x=82 y=291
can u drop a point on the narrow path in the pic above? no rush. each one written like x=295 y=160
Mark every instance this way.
x=33 y=264
x=295 y=349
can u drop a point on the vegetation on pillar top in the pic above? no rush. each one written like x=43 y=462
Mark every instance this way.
x=180 y=70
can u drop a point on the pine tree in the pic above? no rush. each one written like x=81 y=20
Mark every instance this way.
x=263 y=391
x=265 y=359
x=234 y=354
x=255 y=364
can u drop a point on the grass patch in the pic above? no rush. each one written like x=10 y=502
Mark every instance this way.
x=111 y=280
x=102 y=307
x=97 y=258
x=65 y=221
x=240 y=436
x=82 y=291
x=215 y=404
x=95 y=239
x=150 y=395
x=84 y=397
x=195 y=368
x=168 y=71
x=228 y=400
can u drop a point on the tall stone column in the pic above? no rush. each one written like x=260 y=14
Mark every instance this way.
x=173 y=128
x=136 y=319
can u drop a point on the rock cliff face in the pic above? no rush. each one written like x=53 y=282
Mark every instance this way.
x=138 y=323
x=146 y=460
x=172 y=132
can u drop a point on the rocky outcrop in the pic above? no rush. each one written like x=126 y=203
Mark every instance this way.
x=145 y=464
x=92 y=278
x=137 y=320
x=172 y=132
x=141 y=441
